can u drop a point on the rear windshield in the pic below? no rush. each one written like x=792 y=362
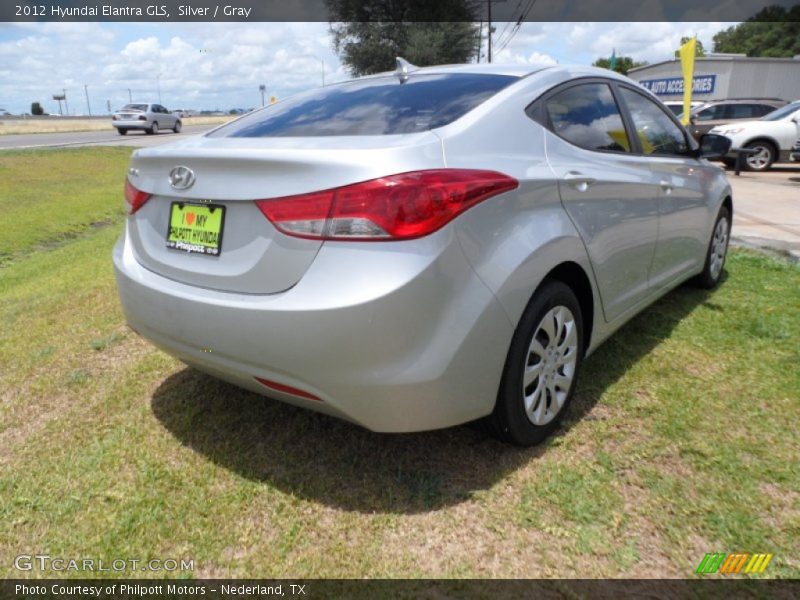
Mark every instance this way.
x=142 y=107
x=380 y=106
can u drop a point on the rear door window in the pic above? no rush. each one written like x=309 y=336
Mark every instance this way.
x=587 y=116
x=658 y=134
x=372 y=106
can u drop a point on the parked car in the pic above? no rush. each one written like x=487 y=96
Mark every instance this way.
x=720 y=112
x=795 y=153
x=4 y=113
x=419 y=249
x=771 y=136
x=676 y=106
x=148 y=117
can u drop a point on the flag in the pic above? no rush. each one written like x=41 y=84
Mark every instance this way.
x=687 y=53
x=612 y=64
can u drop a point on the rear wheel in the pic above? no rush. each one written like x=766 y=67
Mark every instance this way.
x=178 y=125
x=541 y=368
x=717 y=252
x=763 y=158
x=122 y=131
x=153 y=128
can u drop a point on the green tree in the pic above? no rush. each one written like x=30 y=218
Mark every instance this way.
x=698 y=50
x=773 y=31
x=624 y=64
x=36 y=109
x=369 y=34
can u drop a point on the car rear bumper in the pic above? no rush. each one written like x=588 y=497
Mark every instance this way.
x=394 y=338
x=135 y=124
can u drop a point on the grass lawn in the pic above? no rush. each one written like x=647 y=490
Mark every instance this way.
x=682 y=439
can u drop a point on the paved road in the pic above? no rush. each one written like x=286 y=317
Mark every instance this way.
x=95 y=138
x=766 y=209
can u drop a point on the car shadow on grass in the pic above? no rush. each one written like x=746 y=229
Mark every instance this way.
x=327 y=460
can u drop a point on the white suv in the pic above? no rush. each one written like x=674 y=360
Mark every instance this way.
x=771 y=136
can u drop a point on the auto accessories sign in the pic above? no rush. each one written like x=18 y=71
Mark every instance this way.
x=701 y=84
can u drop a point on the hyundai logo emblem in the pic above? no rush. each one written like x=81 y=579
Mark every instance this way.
x=181 y=178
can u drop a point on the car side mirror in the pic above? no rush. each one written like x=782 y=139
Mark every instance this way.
x=713 y=146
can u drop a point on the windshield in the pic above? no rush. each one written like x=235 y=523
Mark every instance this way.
x=777 y=115
x=142 y=107
x=374 y=106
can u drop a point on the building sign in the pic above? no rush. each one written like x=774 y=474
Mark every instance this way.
x=673 y=86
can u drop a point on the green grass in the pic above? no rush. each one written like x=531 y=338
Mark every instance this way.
x=682 y=438
x=49 y=197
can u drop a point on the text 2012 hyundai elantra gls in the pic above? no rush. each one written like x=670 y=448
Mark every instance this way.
x=423 y=248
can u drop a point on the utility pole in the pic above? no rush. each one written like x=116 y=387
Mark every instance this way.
x=86 y=91
x=130 y=97
x=489 y=29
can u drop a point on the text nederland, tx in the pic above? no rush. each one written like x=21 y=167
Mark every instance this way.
x=170 y=589
x=107 y=10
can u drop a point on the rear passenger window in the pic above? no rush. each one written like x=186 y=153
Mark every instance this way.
x=712 y=113
x=657 y=133
x=587 y=116
x=742 y=111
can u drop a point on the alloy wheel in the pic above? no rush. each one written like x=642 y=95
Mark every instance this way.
x=719 y=246
x=761 y=159
x=550 y=366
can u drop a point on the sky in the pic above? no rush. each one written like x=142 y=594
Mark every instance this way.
x=210 y=66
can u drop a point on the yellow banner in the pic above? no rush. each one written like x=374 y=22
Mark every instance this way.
x=687 y=52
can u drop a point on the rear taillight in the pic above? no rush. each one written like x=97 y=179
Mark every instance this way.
x=397 y=207
x=142 y=118
x=114 y=117
x=134 y=198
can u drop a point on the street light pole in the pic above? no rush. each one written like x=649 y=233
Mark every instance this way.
x=86 y=91
x=158 y=85
x=262 y=88
x=130 y=98
x=322 y=62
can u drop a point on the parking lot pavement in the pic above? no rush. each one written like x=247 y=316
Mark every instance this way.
x=766 y=209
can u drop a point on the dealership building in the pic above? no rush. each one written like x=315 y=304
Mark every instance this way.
x=724 y=76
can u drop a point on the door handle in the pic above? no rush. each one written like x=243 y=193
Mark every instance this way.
x=579 y=181
x=667 y=186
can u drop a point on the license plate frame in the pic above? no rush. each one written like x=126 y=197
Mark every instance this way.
x=196 y=245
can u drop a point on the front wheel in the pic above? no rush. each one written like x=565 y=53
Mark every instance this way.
x=717 y=251
x=765 y=154
x=541 y=368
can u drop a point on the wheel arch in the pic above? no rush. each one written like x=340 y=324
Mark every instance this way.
x=573 y=275
x=764 y=138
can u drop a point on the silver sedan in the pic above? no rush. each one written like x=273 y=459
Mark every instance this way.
x=422 y=248
x=150 y=118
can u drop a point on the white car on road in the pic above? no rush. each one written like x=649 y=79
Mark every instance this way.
x=771 y=136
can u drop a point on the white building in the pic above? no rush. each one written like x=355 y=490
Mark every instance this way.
x=724 y=76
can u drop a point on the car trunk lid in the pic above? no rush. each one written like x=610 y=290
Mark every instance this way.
x=231 y=173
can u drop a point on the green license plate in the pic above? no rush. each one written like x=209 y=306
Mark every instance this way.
x=196 y=228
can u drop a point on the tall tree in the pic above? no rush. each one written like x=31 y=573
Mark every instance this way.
x=773 y=31
x=624 y=64
x=369 y=34
x=698 y=49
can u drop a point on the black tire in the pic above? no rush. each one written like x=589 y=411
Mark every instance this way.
x=153 y=128
x=509 y=421
x=122 y=131
x=178 y=125
x=711 y=275
x=729 y=163
x=766 y=150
